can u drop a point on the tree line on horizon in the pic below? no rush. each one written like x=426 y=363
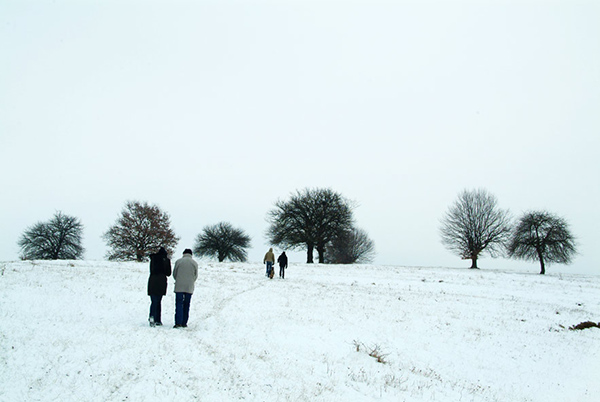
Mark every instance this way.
x=313 y=219
x=474 y=225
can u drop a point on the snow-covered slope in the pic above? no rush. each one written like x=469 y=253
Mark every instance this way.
x=78 y=331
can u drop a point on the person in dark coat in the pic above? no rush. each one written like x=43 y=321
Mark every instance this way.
x=283 y=263
x=160 y=268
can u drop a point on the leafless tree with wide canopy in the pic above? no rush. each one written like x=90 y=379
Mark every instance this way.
x=475 y=224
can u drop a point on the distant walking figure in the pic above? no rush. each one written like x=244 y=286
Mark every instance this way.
x=160 y=268
x=185 y=274
x=269 y=260
x=283 y=263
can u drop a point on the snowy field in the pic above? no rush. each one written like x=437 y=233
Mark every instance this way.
x=78 y=331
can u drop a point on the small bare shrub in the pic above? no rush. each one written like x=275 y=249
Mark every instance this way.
x=373 y=351
x=376 y=353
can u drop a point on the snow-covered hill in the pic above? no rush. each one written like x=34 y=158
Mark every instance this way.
x=78 y=331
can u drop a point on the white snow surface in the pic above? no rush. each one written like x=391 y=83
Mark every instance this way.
x=78 y=331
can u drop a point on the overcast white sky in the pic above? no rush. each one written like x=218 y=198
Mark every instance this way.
x=215 y=109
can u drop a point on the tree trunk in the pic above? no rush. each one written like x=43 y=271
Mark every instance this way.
x=57 y=249
x=542 y=265
x=309 y=253
x=474 y=261
x=321 y=251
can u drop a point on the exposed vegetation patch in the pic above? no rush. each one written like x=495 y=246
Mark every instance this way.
x=373 y=351
x=585 y=325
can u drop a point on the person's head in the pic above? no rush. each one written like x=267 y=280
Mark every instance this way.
x=271 y=249
x=187 y=251
x=162 y=251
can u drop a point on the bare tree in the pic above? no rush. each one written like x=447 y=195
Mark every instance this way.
x=224 y=242
x=58 y=239
x=311 y=218
x=140 y=230
x=351 y=247
x=474 y=224
x=544 y=237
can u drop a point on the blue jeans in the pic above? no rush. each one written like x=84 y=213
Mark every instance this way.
x=182 y=307
x=269 y=267
x=155 y=309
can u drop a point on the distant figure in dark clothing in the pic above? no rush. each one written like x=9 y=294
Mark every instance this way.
x=283 y=263
x=160 y=268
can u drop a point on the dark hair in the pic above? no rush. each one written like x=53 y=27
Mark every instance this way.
x=187 y=251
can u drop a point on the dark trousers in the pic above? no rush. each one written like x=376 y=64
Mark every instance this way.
x=155 y=309
x=182 y=307
x=282 y=271
x=269 y=267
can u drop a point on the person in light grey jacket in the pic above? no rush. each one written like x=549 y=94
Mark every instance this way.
x=185 y=274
